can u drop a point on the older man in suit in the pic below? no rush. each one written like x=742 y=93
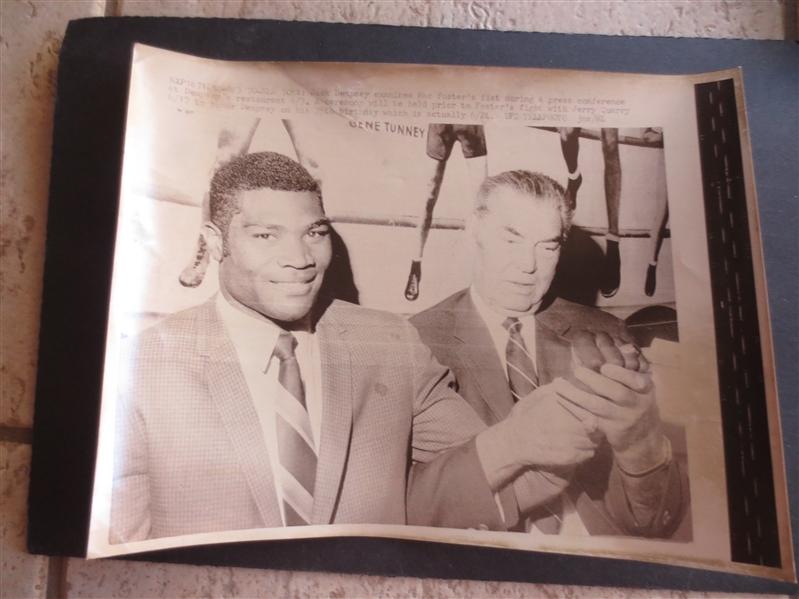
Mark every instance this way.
x=506 y=337
x=270 y=405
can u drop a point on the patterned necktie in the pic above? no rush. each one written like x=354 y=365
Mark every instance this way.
x=521 y=371
x=294 y=436
x=523 y=381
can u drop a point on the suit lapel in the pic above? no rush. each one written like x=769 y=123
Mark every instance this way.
x=336 y=416
x=231 y=395
x=553 y=350
x=476 y=351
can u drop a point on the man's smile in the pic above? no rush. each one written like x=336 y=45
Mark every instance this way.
x=298 y=286
x=304 y=280
x=521 y=286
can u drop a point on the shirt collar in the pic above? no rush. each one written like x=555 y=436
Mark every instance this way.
x=253 y=337
x=491 y=317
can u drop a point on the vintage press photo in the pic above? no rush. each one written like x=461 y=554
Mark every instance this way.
x=467 y=305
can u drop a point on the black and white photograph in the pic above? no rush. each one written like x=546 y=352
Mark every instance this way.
x=345 y=303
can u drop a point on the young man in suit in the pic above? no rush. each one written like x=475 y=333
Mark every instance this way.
x=505 y=337
x=270 y=406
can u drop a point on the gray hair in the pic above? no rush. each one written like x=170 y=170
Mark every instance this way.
x=539 y=187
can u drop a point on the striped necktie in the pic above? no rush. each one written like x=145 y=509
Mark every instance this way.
x=294 y=436
x=521 y=370
x=523 y=381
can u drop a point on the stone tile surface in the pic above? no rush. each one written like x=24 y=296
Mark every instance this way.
x=23 y=575
x=101 y=579
x=753 y=19
x=31 y=38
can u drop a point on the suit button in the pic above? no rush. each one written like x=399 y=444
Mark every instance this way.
x=666 y=517
x=482 y=527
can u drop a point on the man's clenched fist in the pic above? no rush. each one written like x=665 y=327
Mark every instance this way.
x=612 y=394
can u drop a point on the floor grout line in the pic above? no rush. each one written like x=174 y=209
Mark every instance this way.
x=56 y=578
x=113 y=8
x=14 y=434
x=790 y=19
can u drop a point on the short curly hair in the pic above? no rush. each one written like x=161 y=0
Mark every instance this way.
x=538 y=186
x=260 y=170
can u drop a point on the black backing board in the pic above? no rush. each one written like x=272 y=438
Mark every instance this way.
x=86 y=167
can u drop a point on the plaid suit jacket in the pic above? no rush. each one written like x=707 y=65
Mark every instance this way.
x=459 y=339
x=190 y=454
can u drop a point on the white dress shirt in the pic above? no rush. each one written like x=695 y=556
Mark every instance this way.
x=254 y=340
x=499 y=334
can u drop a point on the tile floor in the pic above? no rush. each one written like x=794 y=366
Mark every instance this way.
x=31 y=36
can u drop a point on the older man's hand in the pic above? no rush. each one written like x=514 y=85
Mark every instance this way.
x=539 y=433
x=622 y=404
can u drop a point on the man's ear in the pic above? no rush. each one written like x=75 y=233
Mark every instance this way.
x=215 y=240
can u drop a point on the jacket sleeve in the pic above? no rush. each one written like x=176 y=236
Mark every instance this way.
x=446 y=484
x=452 y=491
x=653 y=505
